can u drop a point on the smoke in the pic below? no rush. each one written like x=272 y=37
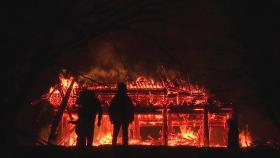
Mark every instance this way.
x=106 y=65
x=118 y=58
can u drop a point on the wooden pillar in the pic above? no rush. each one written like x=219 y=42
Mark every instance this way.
x=206 y=126
x=52 y=138
x=165 y=127
x=137 y=127
x=169 y=122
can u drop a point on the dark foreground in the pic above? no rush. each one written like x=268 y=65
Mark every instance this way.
x=140 y=152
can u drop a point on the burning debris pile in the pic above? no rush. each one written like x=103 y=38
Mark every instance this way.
x=167 y=113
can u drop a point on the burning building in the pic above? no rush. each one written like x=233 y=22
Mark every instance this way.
x=167 y=112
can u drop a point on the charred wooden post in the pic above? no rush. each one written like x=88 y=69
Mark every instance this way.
x=165 y=127
x=206 y=126
x=62 y=106
x=137 y=127
x=169 y=122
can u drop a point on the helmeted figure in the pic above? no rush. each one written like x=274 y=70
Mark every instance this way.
x=88 y=107
x=121 y=113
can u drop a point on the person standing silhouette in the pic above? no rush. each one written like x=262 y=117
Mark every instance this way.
x=121 y=113
x=233 y=140
x=88 y=107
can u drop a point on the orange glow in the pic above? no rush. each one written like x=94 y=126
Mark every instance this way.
x=106 y=139
x=179 y=133
x=245 y=139
x=56 y=94
x=183 y=127
x=189 y=134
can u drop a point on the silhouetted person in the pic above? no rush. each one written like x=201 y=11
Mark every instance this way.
x=233 y=140
x=89 y=106
x=121 y=113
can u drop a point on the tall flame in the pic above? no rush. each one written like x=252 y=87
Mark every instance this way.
x=245 y=139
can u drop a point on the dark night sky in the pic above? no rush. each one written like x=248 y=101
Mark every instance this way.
x=230 y=47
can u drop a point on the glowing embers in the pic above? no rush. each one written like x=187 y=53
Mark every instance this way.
x=106 y=139
x=182 y=124
x=146 y=98
x=218 y=129
x=189 y=134
x=144 y=83
x=147 y=129
x=185 y=129
x=186 y=136
x=143 y=92
x=57 y=92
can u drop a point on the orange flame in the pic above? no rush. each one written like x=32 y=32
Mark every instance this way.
x=143 y=92
x=56 y=94
x=245 y=139
x=188 y=134
x=106 y=139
